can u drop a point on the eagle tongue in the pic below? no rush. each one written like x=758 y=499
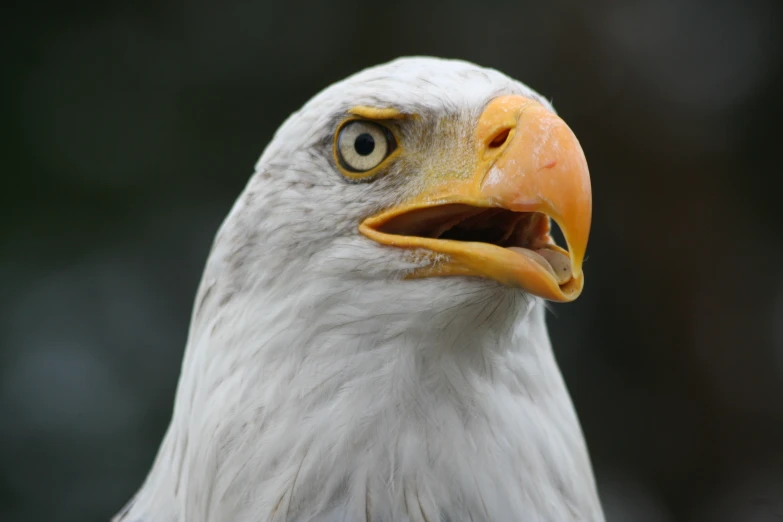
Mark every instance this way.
x=557 y=264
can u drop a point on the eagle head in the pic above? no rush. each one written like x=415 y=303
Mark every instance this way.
x=368 y=340
x=416 y=169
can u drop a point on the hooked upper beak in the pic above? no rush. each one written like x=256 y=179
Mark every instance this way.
x=494 y=222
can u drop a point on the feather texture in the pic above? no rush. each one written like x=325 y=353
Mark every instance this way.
x=317 y=384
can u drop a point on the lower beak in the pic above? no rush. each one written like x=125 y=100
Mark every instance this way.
x=494 y=222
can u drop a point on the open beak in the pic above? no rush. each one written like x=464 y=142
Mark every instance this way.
x=494 y=222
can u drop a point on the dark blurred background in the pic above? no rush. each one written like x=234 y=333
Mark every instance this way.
x=130 y=127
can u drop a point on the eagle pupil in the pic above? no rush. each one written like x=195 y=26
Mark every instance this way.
x=364 y=144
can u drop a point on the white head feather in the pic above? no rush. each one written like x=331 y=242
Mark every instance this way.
x=319 y=385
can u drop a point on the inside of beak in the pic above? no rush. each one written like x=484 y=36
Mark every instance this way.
x=524 y=233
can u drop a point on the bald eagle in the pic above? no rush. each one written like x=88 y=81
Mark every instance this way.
x=368 y=341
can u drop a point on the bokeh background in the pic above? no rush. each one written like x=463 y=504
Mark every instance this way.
x=130 y=127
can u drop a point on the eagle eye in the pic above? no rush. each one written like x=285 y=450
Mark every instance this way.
x=362 y=145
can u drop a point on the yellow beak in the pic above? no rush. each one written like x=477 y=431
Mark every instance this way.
x=494 y=222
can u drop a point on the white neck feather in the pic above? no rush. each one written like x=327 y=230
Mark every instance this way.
x=310 y=408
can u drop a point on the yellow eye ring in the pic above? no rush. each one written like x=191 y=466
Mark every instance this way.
x=362 y=147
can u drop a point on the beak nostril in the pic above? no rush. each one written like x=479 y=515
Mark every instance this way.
x=499 y=139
